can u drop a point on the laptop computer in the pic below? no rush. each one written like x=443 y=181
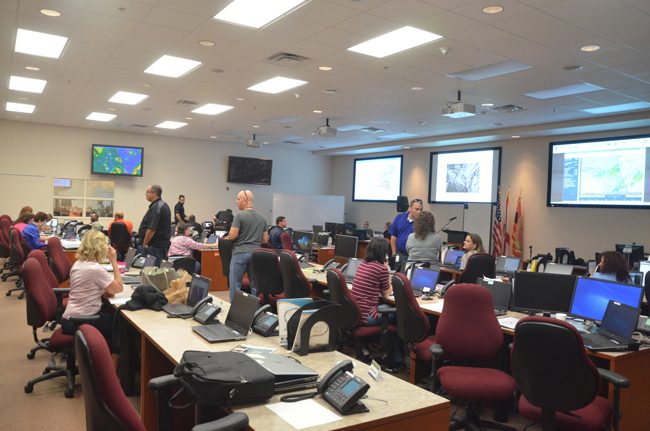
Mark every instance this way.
x=167 y=264
x=285 y=369
x=558 y=268
x=453 y=258
x=199 y=288
x=128 y=258
x=500 y=293
x=238 y=323
x=507 y=265
x=351 y=269
x=615 y=331
x=423 y=277
x=147 y=261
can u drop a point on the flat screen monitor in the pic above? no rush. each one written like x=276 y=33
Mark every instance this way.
x=591 y=296
x=346 y=246
x=330 y=227
x=637 y=277
x=644 y=267
x=507 y=264
x=53 y=224
x=303 y=241
x=317 y=228
x=536 y=292
x=558 y=268
x=377 y=179
x=632 y=252
x=248 y=170
x=114 y=160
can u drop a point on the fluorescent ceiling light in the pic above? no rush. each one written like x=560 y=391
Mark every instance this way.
x=564 y=91
x=256 y=13
x=172 y=67
x=277 y=85
x=100 y=116
x=490 y=70
x=28 y=85
x=171 y=125
x=618 y=108
x=402 y=135
x=127 y=98
x=41 y=44
x=20 y=107
x=212 y=109
x=395 y=41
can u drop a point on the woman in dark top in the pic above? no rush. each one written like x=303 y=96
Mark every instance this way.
x=613 y=267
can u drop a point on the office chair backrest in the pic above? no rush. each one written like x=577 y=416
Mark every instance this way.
x=120 y=237
x=565 y=256
x=478 y=265
x=40 y=298
x=187 y=263
x=49 y=276
x=350 y=313
x=267 y=274
x=225 y=252
x=295 y=283
x=5 y=225
x=18 y=249
x=468 y=328
x=60 y=262
x=551 y=366
x=82 y=229
x=107 y=408
x=412 y=324
x=287 y=242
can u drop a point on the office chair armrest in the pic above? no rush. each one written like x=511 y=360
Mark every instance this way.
x=84 y=319
x=234 y=421
x=614 y=378
x=385 y=309
x=436 y=358
x=162 y=382
x=60 y=291
x=436 y=350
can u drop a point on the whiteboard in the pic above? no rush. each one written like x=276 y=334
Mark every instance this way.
x=303 y=211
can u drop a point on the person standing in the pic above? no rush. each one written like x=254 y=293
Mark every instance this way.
x=179 y=210
x=400 y=230
x=155 y=228
x=424 y=244
x=247 y=233
x=276 y=232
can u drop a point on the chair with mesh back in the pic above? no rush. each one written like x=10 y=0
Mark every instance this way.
x=120 y=239
x=295 y=283
x=267 y=276
x=60 y=262
x=225 y=253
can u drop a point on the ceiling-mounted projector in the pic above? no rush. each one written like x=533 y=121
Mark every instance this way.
x=458 y=109
x=253 y=143
x=326 y=130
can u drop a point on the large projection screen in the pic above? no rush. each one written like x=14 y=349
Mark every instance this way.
x=377 y=179
x=469 y=176
x=612 y=172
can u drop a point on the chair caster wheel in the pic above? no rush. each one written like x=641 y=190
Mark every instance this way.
x=31 y=355
x=69 y=393
x=29 y=388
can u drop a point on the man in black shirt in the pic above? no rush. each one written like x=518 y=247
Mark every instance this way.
x=155 y=228
x=179 y=209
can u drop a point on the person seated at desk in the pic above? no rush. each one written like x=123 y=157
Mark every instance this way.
x=119 y=218
x=193 y=225
x=369 y=232
x=94 y=221
x=183 y=245
x=89 y=282
x=473 y=244
x=424 y=244
x=613 y=267
x=31 y=231
x=372 y=280
x=275 y=232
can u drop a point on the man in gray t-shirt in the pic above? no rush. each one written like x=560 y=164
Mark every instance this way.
x=247 y=233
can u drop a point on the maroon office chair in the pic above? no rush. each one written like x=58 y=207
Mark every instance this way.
x=120 y=239
x=267 y=276
x=468 y=332
x=287 y=242
x=478 y=265
x=108 y=408
x=18 y=251
x=5 y=252
x=186 y=263
x=558 y=382
x=294 y=281
x=50 y=278
x=412 y=324
x=60 y=263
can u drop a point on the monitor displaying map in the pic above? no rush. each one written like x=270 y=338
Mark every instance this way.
x=112 y=160
x=613 y=172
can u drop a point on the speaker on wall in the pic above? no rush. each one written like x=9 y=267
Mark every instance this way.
x=402 y=204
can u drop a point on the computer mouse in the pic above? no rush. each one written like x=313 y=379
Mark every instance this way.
x=427 y=297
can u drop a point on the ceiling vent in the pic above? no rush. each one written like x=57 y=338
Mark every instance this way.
x=141 y=126
x=372 y=130
x=288 y=59
x=509 y=109
x=186 y=102
x=293 y=142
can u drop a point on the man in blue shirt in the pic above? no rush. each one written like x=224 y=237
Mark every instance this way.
x=401 y=229
x=31 y=232
x=276 y=232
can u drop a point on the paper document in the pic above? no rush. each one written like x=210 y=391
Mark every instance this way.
x=508 y=322
x=119 y=300
x=70 y=244
x=435 y=306
x=304 y=414
x=251 y=350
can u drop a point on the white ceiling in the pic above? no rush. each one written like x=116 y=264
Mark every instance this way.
x=113 y=41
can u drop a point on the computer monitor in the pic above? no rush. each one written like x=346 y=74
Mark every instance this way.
x=507 y=264
x=637 y=277
x=330 y=227
x=346 y=246
x=199 y=288
x=644 y=267
x=53 y=224
x=632 y=252
x=536 y=292
x=303 y=241
x=591 y=296
x=558 y=268
x=317 y=228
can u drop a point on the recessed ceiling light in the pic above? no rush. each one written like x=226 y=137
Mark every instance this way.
x=207 y=43
x=110 y=108
x=172 y=67
x=277 y=85
x=395 y=41
x=317 y=111
x=515 y=136
x=171 y=125
x=590 y=48
x=188 y=118
x=325 y=68
x=407 y=148
x=256 y=13
x=29 y=85
x=255 y=126
x=417 y=88
x=618 y=108
x=569 y=90
x=265 y=142
x=213 y=137
x=487 y=105
x=100 y=116
x=41 y=44
x=127 y=98
x=212 y=109
x=33 y=68
x=50 y=12
x=493 y=9
x=239 y=99
x=20 y=107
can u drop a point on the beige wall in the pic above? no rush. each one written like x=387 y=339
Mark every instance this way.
x=32 y=154
x=524 y=166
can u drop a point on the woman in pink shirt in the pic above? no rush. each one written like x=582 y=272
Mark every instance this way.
x=183 y=245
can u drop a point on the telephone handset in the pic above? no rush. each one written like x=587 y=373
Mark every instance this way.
x=265 y=322
x=205 y=312
x=342 y=389
x=445 y=287
x=330 y=264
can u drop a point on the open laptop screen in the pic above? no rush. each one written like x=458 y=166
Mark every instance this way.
x=241 y=313
x=453 y=257
x=424 y=277
x=198 y=289
x=620 y=319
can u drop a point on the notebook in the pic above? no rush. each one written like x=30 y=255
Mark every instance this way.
x=238 y=323
x=500 y=293
x=615 y=331
x=423 y=277
x=198 y=290
x=285 y=368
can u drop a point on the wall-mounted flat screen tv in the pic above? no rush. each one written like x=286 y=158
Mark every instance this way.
x=249 y=170
x=114 y=160
x=612 y=172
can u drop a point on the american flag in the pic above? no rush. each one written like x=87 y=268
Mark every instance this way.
x=497 y=239
x=518 y=230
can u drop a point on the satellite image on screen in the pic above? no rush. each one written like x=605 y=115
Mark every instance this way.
x=117 y=160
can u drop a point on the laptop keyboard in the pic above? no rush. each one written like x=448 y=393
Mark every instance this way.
x=131 y=280
x=220 y=330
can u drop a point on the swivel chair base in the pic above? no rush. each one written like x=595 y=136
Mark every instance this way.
x=51 y=372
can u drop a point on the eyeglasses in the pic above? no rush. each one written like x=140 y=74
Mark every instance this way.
x=416 y=201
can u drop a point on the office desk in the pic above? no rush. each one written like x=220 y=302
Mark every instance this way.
x=163 y=342
x=211 y=268
x=71 y=255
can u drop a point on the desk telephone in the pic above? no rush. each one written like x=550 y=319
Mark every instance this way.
x=331 y=264
x=205 y=312
x=265 y=322
x=643 y=325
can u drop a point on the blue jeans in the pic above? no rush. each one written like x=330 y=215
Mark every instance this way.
x=240 y=263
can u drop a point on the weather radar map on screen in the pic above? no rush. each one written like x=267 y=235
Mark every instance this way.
x=117 y=160
x=377 y=179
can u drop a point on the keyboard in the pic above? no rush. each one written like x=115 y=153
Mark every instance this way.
x=131 y=280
